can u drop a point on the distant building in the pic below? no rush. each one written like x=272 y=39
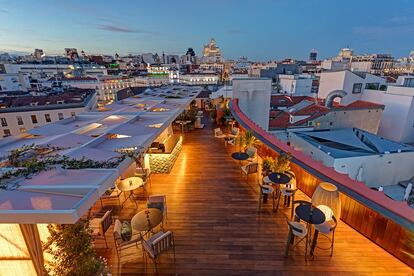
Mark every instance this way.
x=346 y=54
x=46 y=71
x=14 y=82
x=106 y=87
x=279 y=69
x=361 y=155
x=212 y=67
x=148 y=58
x=199 y=79
x=38 y=54
x=313 y=55
x=21 y=113
x=212 y=53
x=397 y=121
x=334 y=65
x=172 y=59
x=72 y=53
x=189 y=57
x=375 y=63
x=351 y=83
x=308 y=113
x=190 y=52
x=298 y=85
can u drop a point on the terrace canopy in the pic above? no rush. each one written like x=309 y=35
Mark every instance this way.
x=55 y=196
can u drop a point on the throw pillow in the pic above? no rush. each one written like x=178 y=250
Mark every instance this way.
x=126 y=231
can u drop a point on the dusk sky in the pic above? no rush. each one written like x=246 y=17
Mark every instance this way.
x=258 y=29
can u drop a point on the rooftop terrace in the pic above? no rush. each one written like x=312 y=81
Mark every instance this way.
x=219 y=231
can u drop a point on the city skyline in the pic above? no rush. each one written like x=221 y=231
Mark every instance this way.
x=261 y=30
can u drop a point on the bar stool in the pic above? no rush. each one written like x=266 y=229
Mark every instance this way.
x=296 y=229
x=327 y=229
x=266 y=190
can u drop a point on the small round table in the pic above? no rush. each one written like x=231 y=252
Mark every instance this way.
x=146 y=220
x=129 y=184
x=279 y=178
x=241 y=156
x=304 y=213
x=310 y=215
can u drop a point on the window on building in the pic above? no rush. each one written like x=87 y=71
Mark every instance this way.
x=3 y=122
x=408 y=82
x=73 y=114
x=47 y=118
x=372 y=86
x=22 y=130
x=60 y=116
x=330 y=123
x=357 y=88
x=6 y=132
x=34 y=119
x=19 y=120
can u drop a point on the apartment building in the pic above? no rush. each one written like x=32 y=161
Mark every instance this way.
x=21 y=113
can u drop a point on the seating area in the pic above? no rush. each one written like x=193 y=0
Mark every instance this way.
x=225 y=220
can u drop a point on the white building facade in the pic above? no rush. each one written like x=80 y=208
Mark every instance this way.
x=297 y=85
x=352 y=83
x=254 y=99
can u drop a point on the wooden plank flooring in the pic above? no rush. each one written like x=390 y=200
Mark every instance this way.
x=219 y=231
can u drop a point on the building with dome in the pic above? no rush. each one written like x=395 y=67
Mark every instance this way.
x=212 y=53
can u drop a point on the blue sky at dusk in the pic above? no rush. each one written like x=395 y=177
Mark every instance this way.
x=259 y=29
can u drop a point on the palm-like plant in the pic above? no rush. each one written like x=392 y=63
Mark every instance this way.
x=267 y=165
x=282 y=163
x=249 y=139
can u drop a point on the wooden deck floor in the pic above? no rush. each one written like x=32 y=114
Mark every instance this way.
x=218 y=230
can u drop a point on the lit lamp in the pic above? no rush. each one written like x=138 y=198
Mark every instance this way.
x=326 y=198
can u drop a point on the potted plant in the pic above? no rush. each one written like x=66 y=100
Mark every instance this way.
x=249 y=139
x=70 y=246
x=267 y=165
x=282 y=163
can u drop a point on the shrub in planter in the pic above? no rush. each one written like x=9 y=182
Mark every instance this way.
x=282 y=163
x=72 y=252
x=267 y=165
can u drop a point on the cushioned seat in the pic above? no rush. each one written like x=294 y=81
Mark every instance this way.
x=324 y=227
x=267 y=180
x=267 y=189
x=298 y=229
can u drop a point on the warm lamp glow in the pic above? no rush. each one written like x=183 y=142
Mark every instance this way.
x=327 y=211
x=326 y=198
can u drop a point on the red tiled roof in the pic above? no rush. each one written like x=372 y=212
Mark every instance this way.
x=280 y=120
x=364 y=104
x=281 y=100
x=311 y=109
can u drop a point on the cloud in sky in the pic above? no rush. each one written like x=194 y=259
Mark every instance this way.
x=119 y=29
x=116 y=29
x=3 y=10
